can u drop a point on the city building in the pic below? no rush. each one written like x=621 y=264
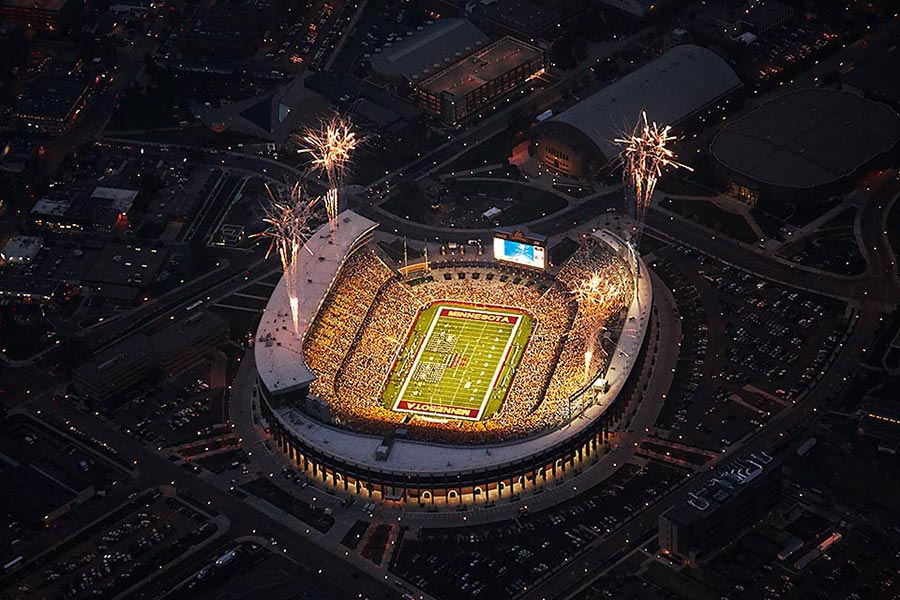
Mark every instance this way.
x=189 y=341
x=27 y=289
x=120 y=367
x=477 y=80
x=686 y=86
x=425 y=52
x=637 y=8
x=21 y=249
x=173 y=350
x=52 y=101
x=103 y=210
x=879 y=419
x=766 y=15
x=369 y=105
x=711 y=516
x=52 y=213
x=804 y=145
x=42 y=15
x=866 y=74
x=522 y=19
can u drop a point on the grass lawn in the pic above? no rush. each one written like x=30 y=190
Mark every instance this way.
x=458 y=361
x=529 y=203
x=268 y=491
x=470 y=198
x=707 y=213
x=153 y=110
x=494 y=150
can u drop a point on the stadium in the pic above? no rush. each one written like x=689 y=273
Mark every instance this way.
x=459 y=381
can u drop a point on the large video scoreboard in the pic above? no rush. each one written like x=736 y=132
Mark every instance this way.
x=519 y=247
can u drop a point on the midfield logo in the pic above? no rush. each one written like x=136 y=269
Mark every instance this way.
x=477 y=316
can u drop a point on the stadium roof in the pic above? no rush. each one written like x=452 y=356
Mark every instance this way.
x=278 y=350
x=807 y=138
x=441 y=43
x=670 y=88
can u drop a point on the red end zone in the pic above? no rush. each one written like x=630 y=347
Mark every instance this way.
x=471 y=315
x=438 y=409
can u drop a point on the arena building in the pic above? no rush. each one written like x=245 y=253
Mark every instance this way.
x=808 y=144
x=325 y=389
x=685 y=86
x=475 y=81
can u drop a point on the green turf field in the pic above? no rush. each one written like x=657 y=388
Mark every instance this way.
x=458 y=361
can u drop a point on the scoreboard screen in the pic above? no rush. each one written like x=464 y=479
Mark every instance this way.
x=529 y=255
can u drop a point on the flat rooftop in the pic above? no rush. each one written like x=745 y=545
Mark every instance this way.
x=51 y=5
x=415 y=56
x=727 y=483
x=807 y=138
x=870 y=70
x=475 y=70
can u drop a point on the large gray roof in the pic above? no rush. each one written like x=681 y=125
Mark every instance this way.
x=807 y=138
x=670 y=88
x=428 y=51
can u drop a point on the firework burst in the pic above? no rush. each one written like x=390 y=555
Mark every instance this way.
x=645 y=154
x=289 y=227
x=330 y=147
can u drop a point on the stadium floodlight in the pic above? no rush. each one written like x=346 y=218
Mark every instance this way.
x=289 y=228
x=330 y=146
x=644 y=156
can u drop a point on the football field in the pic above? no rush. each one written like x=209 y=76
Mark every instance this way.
x=457 y=361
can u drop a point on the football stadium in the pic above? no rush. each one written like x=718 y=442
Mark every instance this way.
x=457 y=381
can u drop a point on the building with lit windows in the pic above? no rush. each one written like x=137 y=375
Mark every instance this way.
x=41 y=15
x=477 y=80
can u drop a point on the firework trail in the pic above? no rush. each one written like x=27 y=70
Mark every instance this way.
x=643 y=157
x=330 y=146
x=592 y=297
x=289 y=227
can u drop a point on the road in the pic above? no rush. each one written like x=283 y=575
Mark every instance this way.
x=328 y=572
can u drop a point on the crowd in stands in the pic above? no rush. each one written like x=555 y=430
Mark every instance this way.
x=354 y=342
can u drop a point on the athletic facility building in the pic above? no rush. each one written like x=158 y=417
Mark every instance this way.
x=454 y=383
x=686 y=86
x=807 y=144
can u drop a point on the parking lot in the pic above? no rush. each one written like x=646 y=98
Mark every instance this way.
x=778 y=342
x=173 y=413
x=501 y=560
x=59 y=486
x=121 y=549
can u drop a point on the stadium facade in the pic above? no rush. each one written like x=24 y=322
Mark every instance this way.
x=685 y=86
x=391 y=466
